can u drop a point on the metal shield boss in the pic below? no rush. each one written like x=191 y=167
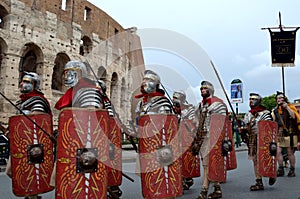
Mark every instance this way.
x=31 y=154
x=159 y=156
x=213 y=147
x=267 y=142
x=82 y=154
x=190 y=163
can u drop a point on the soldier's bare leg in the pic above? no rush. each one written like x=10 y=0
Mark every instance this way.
x=53 y=176
x=8 y=168
x=259 y=184
x=292 y=160
x=205 y=183
x=279 y=156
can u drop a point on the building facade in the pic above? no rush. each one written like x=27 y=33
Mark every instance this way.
x=42 y=36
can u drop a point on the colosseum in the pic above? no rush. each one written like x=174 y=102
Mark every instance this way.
x=42 y=36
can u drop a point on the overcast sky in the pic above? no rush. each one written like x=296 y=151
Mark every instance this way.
x=188 y=34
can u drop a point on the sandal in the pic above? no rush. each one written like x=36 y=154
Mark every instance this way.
x=291 y=172
x=189 y=182
x=258 y=186
x=203 y=194
x=272 y=181
x=280 y=171
x=217 y=193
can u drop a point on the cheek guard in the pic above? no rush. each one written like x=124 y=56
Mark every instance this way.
x=71 y=78
x=149 y=87
x=26 y=88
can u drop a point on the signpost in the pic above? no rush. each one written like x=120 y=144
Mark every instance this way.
x=236 y=97
x=236 y=92
x=283 y=45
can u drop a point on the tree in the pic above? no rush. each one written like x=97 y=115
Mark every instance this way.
x=269 y=102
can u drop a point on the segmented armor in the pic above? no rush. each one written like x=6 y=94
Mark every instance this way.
x=188 y=112
x=32 y=104
x=156 y=105
x=87 y=97
x=251 y=122
x=217 y=107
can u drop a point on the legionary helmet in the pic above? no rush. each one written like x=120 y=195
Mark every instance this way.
x=71 y=75
x=151 y=85
x=256 y=99
x=32 y=81
x=209 y=86
x=149 y=74
x=179 y=95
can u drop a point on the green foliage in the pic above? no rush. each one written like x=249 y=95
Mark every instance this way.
x=269 y=102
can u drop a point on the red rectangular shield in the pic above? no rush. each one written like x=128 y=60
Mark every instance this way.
x=231 y=162
x=190 y=163
x=160 y=156
x=31 y=154
x=115 y=153
x=82 y=154
x=266 y=141
x=217 y=163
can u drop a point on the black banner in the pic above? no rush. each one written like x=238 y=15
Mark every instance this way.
x=283 y=47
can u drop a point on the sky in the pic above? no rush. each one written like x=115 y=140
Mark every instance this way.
x=187 y=42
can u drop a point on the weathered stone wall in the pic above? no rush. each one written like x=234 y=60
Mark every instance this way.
x=40 y=36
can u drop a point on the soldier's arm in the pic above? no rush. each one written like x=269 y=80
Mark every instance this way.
x=290 y=111
x=273 y=115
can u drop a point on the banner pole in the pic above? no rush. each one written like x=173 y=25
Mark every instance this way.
x=283 y=85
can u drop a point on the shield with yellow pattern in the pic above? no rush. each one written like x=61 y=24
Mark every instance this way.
x=266 y=148
x=159 y=156
x=190 y=163
x=31 y=154
x=115 y=153
x=82 y=154
x=231 y=162
x=214 y=144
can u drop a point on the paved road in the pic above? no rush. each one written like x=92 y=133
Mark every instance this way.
x=236 y=187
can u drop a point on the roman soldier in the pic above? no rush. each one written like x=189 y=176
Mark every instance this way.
x=87 y=98
x=32 y=101
x=256 y=114
x=186 y=115
x=210 y=105
x=159 y=151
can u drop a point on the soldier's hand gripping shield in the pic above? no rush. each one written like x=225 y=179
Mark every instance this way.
x=31 y=154
x=159 y=156
x=82 y=154
x=267 y=142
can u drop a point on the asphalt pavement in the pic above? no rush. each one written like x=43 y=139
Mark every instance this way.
x=128 y=156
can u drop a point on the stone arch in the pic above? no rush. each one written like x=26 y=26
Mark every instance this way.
x=101 y=73
x=3 y=13
x=114 y=87
x=123 y=93
x=31 y=59
x=58 y=70
x=3 y=50
x=86 y=46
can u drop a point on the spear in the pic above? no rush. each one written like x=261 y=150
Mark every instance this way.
x=52 y=138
